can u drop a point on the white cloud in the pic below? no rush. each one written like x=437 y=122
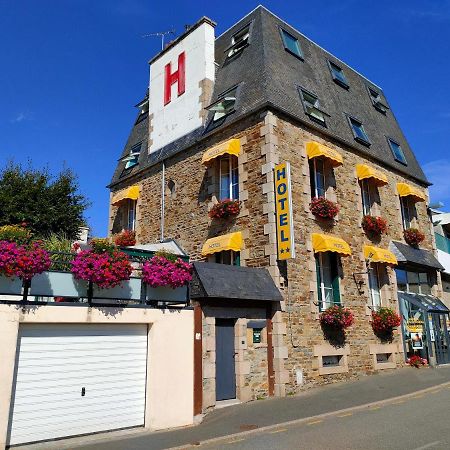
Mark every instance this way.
x=19 y=118
x=438 y=172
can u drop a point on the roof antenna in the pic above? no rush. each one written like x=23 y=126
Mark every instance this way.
x=160 y=34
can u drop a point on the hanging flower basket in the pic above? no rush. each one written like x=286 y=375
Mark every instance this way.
x=159 y=271
x=416 y=361
x=337 y=317
x=413 y=236
x=224 y=209
x=384 y=321
x=323 y=208
x=374 y=225
x=126 y=238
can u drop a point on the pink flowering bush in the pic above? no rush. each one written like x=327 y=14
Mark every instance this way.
x=160 y=271
x=106 y=269
x=337 y=317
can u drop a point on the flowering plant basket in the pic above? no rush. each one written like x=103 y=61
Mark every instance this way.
x=416 y=361
x=224 y=209
x=160 y=271
x=374 y=225
x=384 y=321
x=323 y=208
x=126 y=238
x=413 y=236
x=105 y=269
x=337 y=317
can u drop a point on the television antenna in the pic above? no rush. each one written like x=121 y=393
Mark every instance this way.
x=161 y=34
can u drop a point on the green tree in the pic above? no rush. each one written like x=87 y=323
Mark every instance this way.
x=47 y=204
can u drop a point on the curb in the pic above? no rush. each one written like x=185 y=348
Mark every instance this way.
x=307 y=419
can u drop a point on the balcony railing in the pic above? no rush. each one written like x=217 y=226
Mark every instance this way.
x=442 y=243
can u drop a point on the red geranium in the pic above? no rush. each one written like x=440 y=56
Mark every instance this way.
x=323 y=208
x=413 y=236
x=126 y=238
x=374 y=225
x=385 y=320
x=225 y=208
x=416 y=361
x=337 y=317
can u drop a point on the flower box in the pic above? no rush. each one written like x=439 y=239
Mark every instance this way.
x=57 y=284
x=225 y=209
x=170 y=271
x=10 y=286
x=384 y=321
x=337 y=317
x=128 y=290
x=323 y=208
x=413 y=236
x=374 y=225
x=126 y=238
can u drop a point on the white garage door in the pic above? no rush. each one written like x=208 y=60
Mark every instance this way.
x=76 y=379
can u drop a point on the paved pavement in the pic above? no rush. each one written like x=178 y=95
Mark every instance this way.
x=263 y=413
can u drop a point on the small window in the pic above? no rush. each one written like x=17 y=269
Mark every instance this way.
x=224 y=105
x=374 y=286
x=376 y=100
x=366 y=198
x=228 y=178
x=291 y=44
x=228 y=257
x=327 y=280
x=131 y=215
x=311 y=105
x=397 y=151
x=239 y=41
x=338 y=75
x=358 y=131
x=408 y=209
x=133 y=157
x=317 y=177
x=384 y=357
x=331 y=360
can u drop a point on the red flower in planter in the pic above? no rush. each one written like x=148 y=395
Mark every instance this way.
x=374 y=225
x=125 y=239
x=416 y=361
x=385 y=320
x=224 y=209
x=337 y=317
x=323 y=208
x=413 y=236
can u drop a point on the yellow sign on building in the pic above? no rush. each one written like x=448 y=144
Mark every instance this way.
x=284 y=219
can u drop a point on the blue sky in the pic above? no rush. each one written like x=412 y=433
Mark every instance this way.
x=71 y=71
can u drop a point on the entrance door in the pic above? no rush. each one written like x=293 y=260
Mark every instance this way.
x=440 y=338
x=225 y=371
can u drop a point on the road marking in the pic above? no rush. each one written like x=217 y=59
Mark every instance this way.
x=419 y=396
x=282 y=430
x=314 y=422
x=345 y=415
x=434 y=392
x=235 y=440
x=374 y=407
x=431 y=444
x=399 y=402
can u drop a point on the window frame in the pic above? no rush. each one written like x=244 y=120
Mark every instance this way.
x=233 y=167
x=367 y=207
x=357 y=138
x=235 y=258
x=378 y=105
x=343 y=83
x=231 y=47
x=313 y=179
x=220 y=98
x=302 y=91
x=334 y=287
x=131 y=210
x=402 y=159
x=407 y=208
x=375 y=285
x=300 y=54
x=420 y=282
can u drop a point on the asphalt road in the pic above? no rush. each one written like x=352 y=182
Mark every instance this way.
x=420 y=422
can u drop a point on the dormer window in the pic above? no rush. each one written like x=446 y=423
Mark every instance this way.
x=133 y=158
x=311 y=105
x=239 y=41
x=376 y=100
x=143 y=109
x=338 y=75
x=291 y=44
x=359 y=133
x=224 y=105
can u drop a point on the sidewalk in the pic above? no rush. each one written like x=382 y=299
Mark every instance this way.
x=260 y=413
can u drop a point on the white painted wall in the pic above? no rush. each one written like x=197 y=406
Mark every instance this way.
x=182 y=114
x=444 y=259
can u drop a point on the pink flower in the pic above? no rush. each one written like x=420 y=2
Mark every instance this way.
x=159 y=271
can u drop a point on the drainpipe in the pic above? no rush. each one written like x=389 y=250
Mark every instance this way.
x=163 y=199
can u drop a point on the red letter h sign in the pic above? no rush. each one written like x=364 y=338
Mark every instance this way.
x=179 y=77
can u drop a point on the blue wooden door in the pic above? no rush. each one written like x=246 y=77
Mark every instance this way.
x=225 y=371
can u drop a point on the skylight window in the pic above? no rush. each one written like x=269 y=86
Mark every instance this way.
x=311 y=105
x=358 y=131
x=239 y=41
x=338 y=75
x=133 y=157
x=225 y=104
x=291 y=44
x=376 y=101
x=397 y=151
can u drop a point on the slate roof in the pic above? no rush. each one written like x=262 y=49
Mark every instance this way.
x=220 y=281
x=269 y=77
x=417 y=256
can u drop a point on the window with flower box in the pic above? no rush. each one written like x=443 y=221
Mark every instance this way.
x=327 y=269
x=317 y=177
x=131 y=215
x=408 y=208
x=228 y=178
x=375 y=286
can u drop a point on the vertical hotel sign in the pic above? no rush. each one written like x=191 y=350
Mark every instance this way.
x=283 y=211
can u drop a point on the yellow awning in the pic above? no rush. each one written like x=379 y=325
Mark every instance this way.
x=314 y=150
x=364 y=171
x=379 y=255
x=131 y=193
x=231 y=147
x=232 y=241
x=328 y=243
x=405 y=190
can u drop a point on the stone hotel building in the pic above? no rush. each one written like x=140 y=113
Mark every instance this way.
x=219 y=115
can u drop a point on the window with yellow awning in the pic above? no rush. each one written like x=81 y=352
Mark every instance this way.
x=231 y=241
x=364 y=171
x=230 y=147
x=316 y=150
x=406 y=190
x=130 y=193
x=329 y=243
x=379 y=255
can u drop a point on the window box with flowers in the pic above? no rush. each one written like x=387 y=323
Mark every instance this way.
x=374 y=225
x=323 y=208
x=416 y=361
x=225 y=209
x=126 y=238
x=337 y=317
x=413 y=236
x=384 y=321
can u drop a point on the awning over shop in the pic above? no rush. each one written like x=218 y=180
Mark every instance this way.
x=379 y=255
x=328 y=243
x=222 y=281
x=231 y=147
x=363 y=171
x=231 y=241
x=416 y=256
x=315 y=150
x=131 y=193
x=406 y=190
x=427 y=302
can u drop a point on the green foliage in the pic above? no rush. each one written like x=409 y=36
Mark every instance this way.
x=15 y=233
x=166 y=254
x=48 y=204
x=58 y=243
x=102 y=245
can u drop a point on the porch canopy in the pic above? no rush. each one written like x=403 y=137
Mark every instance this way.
x=428 y=303
x=131 y=193
x=222 y=281
x=230 y=147
x=329 y=243
x=415 y=256
x=231 y=241
x=364 y=171
x=315 y=150
x=379 y=255
x=406 y=190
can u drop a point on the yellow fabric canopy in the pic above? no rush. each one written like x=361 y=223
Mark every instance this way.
x=232 y=241
x=381 y=255
x=231 y=147
x=364 y=171
x=314 y=150
x=328 y=243
x=131 y=193
x=405 y=190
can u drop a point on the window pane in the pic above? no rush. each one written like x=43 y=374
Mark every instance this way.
x=365 y=192
x=358 y=129
x=397 y=151
x=131 y=219
x=224 y=178
x=327 y=280
x=425 y=286
x=291 y=43
x=338 y=73
x=401 y=280
x=319 y=178
x=413 y=282
x=234 y=178
x=374 y=287
x=406 y=216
